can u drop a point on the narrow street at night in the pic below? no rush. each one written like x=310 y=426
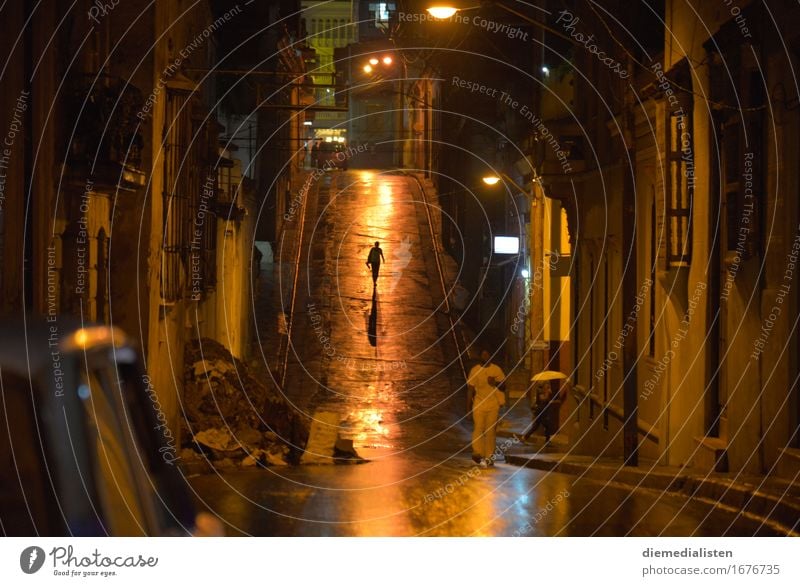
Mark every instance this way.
x=393 y=397
x=280 y=270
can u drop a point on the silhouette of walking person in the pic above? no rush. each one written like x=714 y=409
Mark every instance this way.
x=374 y=261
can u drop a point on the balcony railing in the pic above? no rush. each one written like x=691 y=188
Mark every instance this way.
x=105 y=144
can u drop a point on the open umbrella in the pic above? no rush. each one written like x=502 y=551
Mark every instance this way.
x=546 y=375
x=545 y=409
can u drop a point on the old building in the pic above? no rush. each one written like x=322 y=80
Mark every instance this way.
x=423 y=123
x=120 y=203
x=697 y=155
x=744 y=233
x=329 y=26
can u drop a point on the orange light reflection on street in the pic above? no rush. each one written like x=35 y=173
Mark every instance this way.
x=385 y=193
x=370 y=421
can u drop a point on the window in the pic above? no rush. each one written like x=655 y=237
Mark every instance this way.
x=188 y=266
x=590 y=279
x=740 y=179
x=101 y=296
x=653 y=260
x=604 y=327
x=680 y=175
x=736 y=81
x=155 y=443
x=175 y=194
x=381 y=12
x=124 y=509
x=202 y=187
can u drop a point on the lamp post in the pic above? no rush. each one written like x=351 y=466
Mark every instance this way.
x=536 y=248
x=374 y=68
x=444 y=10
x=441 y=11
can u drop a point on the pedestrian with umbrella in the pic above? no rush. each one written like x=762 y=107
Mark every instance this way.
x=546 y=393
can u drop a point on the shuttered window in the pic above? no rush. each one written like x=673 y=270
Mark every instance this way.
x=177 y=133
x=680 y=178
x=188 y=260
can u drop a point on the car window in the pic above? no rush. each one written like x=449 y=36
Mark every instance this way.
x=157 y=446
x=125 y=511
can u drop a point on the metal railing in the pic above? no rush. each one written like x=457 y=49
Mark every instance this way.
x=645 y=429
x=301 y=219
x=436 y=251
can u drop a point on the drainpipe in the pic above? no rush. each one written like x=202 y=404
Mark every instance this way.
x=538 y=345
x=630 y=398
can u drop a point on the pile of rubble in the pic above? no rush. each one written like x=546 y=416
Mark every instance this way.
x=233 y=417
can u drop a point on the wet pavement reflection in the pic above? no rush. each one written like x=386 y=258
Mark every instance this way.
x=380 y=361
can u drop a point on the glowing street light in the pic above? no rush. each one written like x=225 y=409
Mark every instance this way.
x=373 y=61
x=387 y=60
x=442 y=11
x=491 y=180
x=368 y=69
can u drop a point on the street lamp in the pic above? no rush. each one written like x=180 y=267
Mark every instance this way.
x=536 y=251
x=442 y=12
x=373 y=62
x=491 y=180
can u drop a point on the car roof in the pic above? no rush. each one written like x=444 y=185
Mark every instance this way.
x=25 y=341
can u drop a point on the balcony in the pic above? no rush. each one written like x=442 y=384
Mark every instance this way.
x=105 y=147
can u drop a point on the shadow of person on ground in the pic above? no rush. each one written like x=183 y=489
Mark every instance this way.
x=372 y=327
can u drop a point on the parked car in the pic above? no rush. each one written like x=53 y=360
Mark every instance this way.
x=332 y=155
x=85 y=452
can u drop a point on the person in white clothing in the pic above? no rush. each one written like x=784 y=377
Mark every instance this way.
x=484 y=399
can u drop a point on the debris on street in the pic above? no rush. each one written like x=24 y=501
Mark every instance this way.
x=234 y=417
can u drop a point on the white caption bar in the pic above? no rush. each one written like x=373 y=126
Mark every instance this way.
x=351 y=562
